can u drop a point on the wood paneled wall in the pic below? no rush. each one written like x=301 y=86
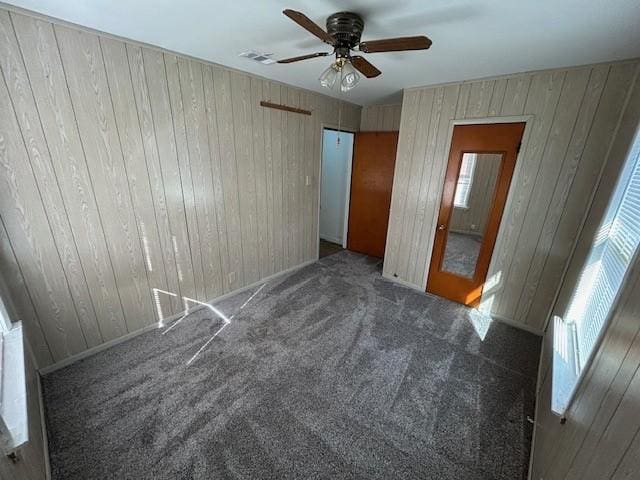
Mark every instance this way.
x=380 y=118
x=601 y=437
x=127 y=172
x=573 y=116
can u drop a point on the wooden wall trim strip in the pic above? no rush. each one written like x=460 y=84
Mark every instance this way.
x=284 y=107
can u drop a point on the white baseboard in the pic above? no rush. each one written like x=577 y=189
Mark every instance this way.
x=513 y=323
x=116 y=341
x=331 y=239
x=404 y=283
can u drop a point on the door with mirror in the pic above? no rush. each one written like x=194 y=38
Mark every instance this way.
x=481 y=163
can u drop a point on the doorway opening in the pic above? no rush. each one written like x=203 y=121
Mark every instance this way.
x=482 y=159
x=335 y=185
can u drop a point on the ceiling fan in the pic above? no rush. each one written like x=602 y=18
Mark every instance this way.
x=343 y=33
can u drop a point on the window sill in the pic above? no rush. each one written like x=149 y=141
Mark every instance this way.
x=565 y=370
x=13 y=396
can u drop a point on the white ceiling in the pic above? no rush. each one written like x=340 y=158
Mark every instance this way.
x=471 y=38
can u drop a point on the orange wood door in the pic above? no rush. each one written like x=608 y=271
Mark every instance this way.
x=499 y=141
x=374 y=158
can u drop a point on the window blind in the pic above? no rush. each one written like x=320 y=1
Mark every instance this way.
x=609 y=259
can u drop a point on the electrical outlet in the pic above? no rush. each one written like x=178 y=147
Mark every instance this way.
x=232 y=277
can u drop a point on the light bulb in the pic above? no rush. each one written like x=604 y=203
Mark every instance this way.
x=329 y=76
x=350 y=77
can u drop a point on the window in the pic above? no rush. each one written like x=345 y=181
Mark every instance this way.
x=14 y=427
x=612 y=252
x=465 y=180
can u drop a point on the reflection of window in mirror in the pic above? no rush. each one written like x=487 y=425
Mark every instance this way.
x=465 y=180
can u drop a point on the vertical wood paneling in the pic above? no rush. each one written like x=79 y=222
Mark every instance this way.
x=226 y=137
x=259 y=158
x=601 y=133
x=542 y=103
x=380 y=118
x=200 y=162
x=316 y=152
x=268 y=159
x=163 y=81
x=135 y=65
x=27 y=116
x=86 y=77
x=241 y=97
x=424 y=145
x=275 y=117
x=515 y=95
x=406 y=138
x=497 y=97
x=479 y=99
x=183 y=192
x=216 y=173
x=129 y=171
x=39 y=48
x=449 y=102
x=17 y=295
x=26 y=224
x=137 y=173
x=414 y=180
x=603 y=421
x=545 y=182
x=572 y=116
x=308 y=156
x=570 y=163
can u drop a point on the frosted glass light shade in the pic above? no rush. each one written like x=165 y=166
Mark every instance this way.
x=329 y=77
x=350 y=77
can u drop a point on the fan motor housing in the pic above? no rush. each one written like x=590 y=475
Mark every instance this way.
x=346 y=28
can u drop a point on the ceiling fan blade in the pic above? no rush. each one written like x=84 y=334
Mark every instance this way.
x=365 y=67
x=303 y=57
x=306 y=23
x=395 y=44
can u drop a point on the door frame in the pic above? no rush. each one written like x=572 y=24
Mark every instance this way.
x=331 y=126
x=527 y=120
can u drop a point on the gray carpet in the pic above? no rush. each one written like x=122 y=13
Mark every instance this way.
x=461 y=254
x=328 y=248
x=330 y=372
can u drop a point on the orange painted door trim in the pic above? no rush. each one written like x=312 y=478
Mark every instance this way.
x=501 y=138
x=374 y=159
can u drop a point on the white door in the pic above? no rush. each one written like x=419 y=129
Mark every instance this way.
x=336 y=162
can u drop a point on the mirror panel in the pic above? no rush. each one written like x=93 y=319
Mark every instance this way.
x=473 y=198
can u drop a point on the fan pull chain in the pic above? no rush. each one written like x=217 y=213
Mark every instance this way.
x=339 y=120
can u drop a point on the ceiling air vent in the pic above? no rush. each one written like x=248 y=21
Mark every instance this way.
x=264 y=58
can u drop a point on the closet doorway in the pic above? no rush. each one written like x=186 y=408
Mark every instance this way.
x=335 y=178
x=481 y=163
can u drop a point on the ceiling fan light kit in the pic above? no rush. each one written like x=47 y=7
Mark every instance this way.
x=344 y=31
x=340 y=69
